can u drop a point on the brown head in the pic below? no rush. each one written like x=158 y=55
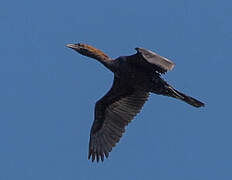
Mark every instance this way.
x=89 y=51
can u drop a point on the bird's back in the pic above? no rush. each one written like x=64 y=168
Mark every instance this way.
x=132 y=74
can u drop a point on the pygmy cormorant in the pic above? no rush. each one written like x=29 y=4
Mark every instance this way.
x=135 y=77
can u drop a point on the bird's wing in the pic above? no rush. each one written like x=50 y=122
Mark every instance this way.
x=112 y=113
x=161 y=64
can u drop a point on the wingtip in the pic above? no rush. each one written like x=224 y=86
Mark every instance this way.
x=96 y=157
x=102 y=158
x=93 y=157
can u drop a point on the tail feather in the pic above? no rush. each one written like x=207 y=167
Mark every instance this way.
x=190 y=100
x=161 y=87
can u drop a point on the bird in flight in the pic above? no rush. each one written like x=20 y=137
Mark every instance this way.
x=135 y=77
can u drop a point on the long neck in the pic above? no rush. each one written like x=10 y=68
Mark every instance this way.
x=109 y=63
x=98 y=55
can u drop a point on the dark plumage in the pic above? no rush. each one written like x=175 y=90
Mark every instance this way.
x=135 y=77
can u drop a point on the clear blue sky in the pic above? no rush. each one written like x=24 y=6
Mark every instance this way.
x=48 y=91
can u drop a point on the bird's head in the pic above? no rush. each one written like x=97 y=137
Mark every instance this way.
x=88 y=50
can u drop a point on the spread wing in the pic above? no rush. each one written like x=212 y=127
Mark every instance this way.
x=112 y=113
x=149 y=58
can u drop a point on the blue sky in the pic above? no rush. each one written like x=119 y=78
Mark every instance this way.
x=48 y=91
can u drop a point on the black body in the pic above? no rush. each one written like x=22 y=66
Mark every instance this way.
x=135 y=77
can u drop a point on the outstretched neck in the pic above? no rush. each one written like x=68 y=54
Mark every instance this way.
x=109 y=63
x=98 y=55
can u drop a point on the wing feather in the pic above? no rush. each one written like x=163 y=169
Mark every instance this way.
x=156 y=59
x=112 y=113
x=151 y=61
